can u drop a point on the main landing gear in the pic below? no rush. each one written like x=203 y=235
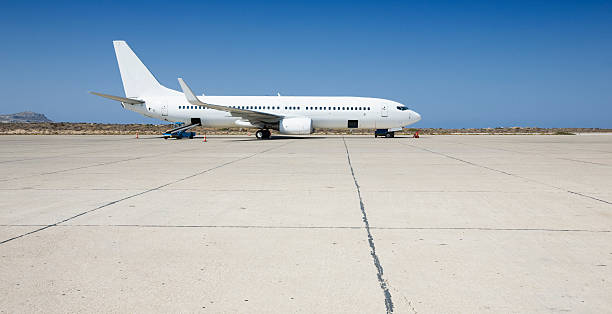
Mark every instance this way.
x=262 y=134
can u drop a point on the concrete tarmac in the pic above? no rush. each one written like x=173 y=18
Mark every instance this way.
x=440 y=224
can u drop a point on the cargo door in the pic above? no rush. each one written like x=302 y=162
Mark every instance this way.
x=164 y=110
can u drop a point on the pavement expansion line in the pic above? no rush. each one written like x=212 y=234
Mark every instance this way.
x=379 y=268
x=510 y=174
x=305 y=227
x=95 y=165
x=536 y=154
x=140 y=193
x=52 y=157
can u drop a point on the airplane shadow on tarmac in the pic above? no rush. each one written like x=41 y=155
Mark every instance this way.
x=272 y=138
x=276 y=138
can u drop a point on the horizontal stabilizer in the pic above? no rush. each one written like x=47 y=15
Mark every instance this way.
x=121 y=99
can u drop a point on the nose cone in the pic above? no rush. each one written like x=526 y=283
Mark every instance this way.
x=417 y=116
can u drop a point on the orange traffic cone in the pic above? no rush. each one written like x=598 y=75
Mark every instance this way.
x=204 y=137
x=136 y=134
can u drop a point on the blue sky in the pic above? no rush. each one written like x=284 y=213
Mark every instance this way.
x=459 y=64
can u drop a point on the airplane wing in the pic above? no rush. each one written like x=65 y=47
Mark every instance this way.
x=118 y=98
x=255 y=117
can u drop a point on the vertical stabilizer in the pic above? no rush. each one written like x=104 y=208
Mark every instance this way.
x=137 y=80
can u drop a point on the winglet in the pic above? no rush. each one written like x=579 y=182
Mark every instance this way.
x=191 y=97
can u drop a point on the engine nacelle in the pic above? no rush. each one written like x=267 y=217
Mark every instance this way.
x=298 y=125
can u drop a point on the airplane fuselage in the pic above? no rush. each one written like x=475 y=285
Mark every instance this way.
x=325 y=112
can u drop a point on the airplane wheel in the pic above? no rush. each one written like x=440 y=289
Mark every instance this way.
x=267 y=134
x=390 y=134
x=259 y=134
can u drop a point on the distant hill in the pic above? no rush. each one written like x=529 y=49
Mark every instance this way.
x=26 y=116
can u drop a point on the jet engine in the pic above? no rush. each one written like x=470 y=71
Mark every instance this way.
x=297 y=125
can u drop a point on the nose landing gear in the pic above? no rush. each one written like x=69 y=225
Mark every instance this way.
x=384 y=132
x=262 y=134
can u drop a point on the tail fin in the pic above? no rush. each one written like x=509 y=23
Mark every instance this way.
x=137 y=80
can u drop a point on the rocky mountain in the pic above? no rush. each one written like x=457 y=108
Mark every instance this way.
x=26 y=116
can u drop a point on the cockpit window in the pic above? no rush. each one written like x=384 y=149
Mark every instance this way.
x=402 y=108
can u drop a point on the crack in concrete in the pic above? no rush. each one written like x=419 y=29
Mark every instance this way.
x=364 y=218
x=411 y=306
x=509 y=174
x=140 y=193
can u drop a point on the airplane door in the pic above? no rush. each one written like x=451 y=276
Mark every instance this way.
x=164 y=110
x=384 y=111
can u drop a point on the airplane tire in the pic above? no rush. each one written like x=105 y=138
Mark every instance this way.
x=259 y=134
x=267 y=134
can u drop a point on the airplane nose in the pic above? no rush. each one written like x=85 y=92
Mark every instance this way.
x=417 y=116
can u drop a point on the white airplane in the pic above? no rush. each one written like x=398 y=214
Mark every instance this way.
x=286 y=114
